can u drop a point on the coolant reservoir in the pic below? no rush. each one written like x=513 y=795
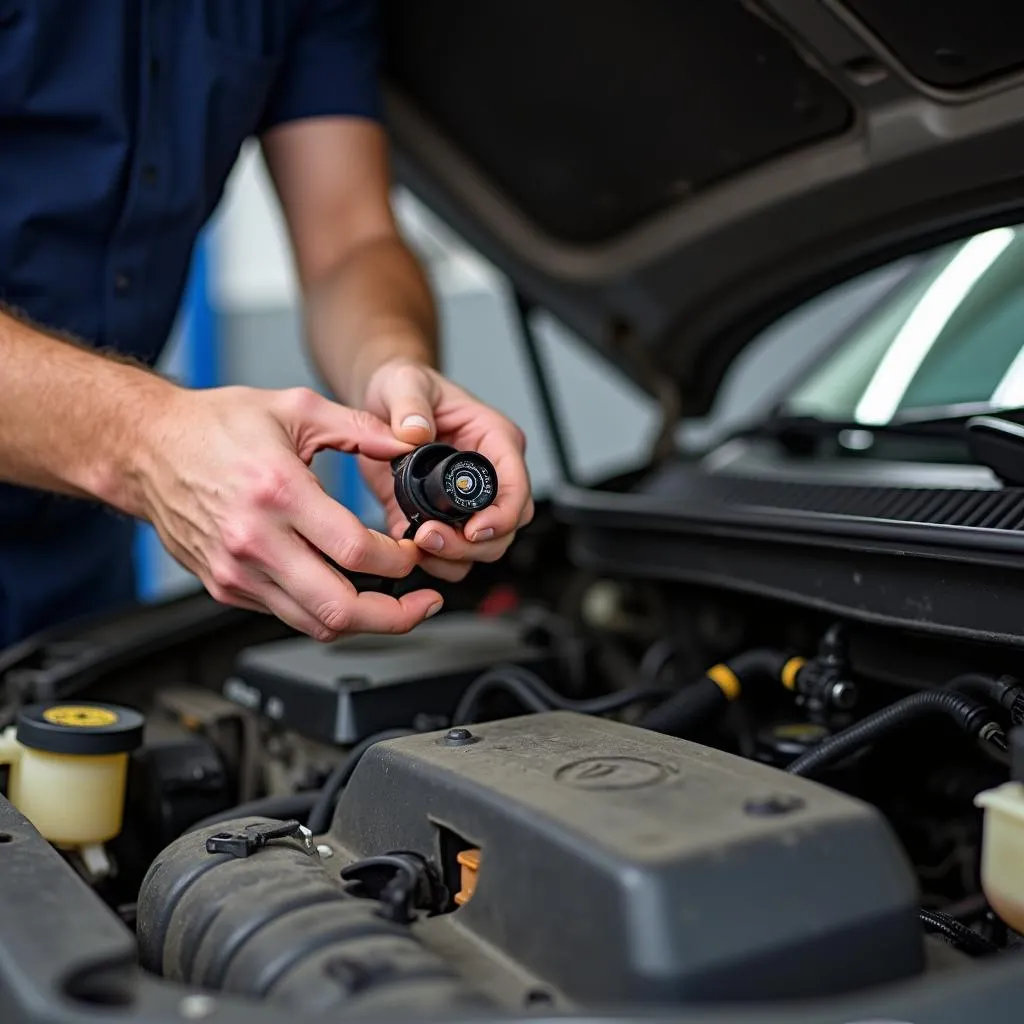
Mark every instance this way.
x=69 y=767
x=1002 y=852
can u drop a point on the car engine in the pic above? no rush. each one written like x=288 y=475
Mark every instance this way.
x=569 y=793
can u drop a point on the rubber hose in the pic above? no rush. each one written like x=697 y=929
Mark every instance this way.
x=1003 y=691
x=293 y=805
x=698 y=703
x=275 y=924
x=687 y=710
x=971 y=715
x=965 y=939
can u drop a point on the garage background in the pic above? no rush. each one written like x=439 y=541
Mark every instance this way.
x=240 y=324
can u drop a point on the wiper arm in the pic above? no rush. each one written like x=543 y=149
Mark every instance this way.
x=802 y=434
x=994 y=438
x=999 y=444
x=917 y=423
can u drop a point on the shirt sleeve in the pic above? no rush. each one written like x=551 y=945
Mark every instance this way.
x=331 y=65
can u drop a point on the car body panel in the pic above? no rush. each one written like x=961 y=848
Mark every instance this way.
x=682 y=175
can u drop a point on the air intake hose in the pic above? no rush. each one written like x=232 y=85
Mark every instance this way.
x=246 y=907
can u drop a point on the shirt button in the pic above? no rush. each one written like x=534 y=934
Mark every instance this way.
x=149 y=174
x=122 y=282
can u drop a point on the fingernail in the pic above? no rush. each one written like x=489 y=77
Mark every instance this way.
x=416 y=421
x=434 y=541
x=434 y=609
x=483 y=535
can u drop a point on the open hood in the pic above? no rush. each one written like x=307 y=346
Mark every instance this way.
x=669 y=176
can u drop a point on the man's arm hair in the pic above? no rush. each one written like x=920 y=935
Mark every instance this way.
x=366 y=297
x=70 y=416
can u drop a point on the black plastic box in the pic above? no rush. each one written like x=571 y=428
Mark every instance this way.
x=357 y=686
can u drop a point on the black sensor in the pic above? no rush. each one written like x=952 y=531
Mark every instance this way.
x=437 y=481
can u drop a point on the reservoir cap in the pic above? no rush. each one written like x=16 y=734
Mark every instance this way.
x=81 y=728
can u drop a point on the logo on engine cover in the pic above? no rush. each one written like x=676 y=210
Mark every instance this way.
x=612 y=773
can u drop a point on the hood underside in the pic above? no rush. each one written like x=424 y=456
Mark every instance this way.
x=669 y=177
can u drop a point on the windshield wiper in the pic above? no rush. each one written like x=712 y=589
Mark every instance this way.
x=993 y=437
x=930 y=422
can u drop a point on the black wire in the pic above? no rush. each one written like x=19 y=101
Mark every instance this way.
x=971 y=715
x=602 y=705
x=965 y=939
x=496 y=679
x=327 y=797
x=293 y=805
x=535 y=695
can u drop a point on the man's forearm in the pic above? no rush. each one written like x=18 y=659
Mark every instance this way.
x=70 y=418
x=373 y=307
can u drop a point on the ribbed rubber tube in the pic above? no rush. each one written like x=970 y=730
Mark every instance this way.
x=276 y=925
x=971 y=715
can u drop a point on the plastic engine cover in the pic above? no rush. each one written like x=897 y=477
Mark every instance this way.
x=619 y=865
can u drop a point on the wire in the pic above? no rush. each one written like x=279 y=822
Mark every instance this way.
x=657 y=658
x=971 y=715
x=956 y=932
x=496 y=679
x=323 y=808
x=602 y=705
x=535 y=695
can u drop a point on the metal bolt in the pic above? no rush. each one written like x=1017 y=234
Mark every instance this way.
x=197 y=1007
x=325 y=851
x=458 y=738
x=843 y=695
x=773 y=806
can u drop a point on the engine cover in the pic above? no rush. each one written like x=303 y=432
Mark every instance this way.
x=618 y=865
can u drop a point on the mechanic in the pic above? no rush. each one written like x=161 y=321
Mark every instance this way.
x=119 y=122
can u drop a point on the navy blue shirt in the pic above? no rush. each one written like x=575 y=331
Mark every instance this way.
x=120 y=121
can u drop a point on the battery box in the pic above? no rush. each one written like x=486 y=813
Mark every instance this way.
x=347 y=690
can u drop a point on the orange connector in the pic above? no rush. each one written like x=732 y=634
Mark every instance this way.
x=469 y=862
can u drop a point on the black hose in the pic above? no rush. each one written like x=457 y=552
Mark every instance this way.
x=971 y=715
x=696 y=704
x=293 y=805
x=1004 y=691
x=322 y=810
x=956 y=932
x=535 y=695
x=688 y=710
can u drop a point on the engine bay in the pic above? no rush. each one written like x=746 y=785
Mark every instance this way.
x=570 y=793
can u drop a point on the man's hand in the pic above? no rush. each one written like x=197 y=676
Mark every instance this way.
x=225 y=479
x=423 y=406
x=372 y=326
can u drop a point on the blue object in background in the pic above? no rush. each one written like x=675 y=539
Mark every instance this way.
x=192 y=358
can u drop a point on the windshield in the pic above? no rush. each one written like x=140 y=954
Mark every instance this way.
x=953 y=335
